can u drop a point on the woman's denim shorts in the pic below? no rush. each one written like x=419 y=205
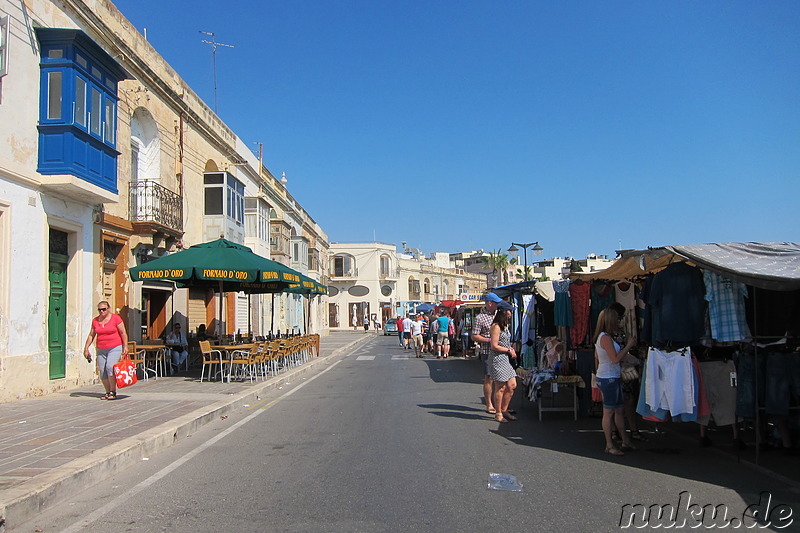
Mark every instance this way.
x=612 y=392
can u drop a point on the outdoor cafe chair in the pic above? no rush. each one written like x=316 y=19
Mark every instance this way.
x=137 y=356
x=245 y=361
x=211 y=357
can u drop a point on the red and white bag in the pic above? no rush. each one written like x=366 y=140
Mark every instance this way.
x=125 y=372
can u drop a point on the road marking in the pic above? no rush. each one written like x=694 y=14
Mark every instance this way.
x=147 y=483
x=365 y=358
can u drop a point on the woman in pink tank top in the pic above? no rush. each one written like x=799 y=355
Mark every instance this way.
x=112 y=343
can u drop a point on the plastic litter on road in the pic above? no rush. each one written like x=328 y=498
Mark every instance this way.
x=504 y=482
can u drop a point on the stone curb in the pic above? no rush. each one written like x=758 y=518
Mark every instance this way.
x=30 y=498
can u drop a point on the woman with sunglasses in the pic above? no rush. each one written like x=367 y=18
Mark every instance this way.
x=112 y=344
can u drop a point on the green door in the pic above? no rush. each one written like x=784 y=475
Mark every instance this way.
x=57 y=318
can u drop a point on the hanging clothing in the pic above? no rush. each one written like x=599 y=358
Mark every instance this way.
x=670 y=382
x=677 y=302
x=721 y=394
x=700 y=411
x=727 y=311
x=625 y=293
x=579 y=297
x=563 y=307
x=602 y=296
x=528 y=318
x=545 y=316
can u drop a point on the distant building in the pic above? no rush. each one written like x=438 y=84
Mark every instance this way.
x=374 y=280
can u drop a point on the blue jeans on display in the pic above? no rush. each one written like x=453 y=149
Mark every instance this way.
x=783 y=381
x=746 y=384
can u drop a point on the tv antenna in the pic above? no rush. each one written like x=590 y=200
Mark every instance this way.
x=214 y=45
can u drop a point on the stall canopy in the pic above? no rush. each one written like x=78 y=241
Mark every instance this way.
x=504 y=291
x=766 y=265
x=425 y=308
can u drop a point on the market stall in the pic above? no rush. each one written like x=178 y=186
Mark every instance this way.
x=720 y=322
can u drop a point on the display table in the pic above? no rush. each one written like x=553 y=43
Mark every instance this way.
x=572 y=382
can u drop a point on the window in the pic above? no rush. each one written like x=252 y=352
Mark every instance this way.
x=427 y=285
x=385 y=266
x=55 y=90
x=95 y=119
x=78 y=105
x=213 y=193
x=80 y=101
x=224 y=195
x=343 y=265
x=109 y=120
x=4 y=33
x=256 y=214
x=235 y=199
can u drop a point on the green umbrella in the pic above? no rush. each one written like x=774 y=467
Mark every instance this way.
x=222 y=265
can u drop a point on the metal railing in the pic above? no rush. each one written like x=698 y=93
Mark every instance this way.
x=151 y=202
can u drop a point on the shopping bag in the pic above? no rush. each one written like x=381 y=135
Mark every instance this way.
x=125 y=372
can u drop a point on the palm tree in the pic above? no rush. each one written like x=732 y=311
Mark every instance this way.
x=527 y=269
x=497 y=260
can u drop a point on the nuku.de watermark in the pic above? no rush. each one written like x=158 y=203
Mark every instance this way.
x=686 y=514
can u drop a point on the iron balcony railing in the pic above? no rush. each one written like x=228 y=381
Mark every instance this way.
x=151 y=202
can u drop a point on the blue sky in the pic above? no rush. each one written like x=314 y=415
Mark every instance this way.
x=458 y=125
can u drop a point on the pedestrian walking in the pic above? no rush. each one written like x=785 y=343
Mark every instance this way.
x=502 y=371
x=112 y=343
x=416 y=335
x=399 y=325
x=443 y=334
x=407 y=332
x=480 y=336
x=366 y=323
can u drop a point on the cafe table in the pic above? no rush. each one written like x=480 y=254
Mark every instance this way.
x=229 y=349
x=152 y=362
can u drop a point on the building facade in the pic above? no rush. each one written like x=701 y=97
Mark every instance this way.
x=373 y=280
x=112 y=160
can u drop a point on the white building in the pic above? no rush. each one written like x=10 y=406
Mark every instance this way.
x=373 y=280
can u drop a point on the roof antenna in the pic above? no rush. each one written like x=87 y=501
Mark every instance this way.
x=214 y=45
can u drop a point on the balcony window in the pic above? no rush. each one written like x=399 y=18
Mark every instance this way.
x=385 y=266
x=78 y=88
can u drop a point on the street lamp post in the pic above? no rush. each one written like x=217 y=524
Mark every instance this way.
x=514 y=251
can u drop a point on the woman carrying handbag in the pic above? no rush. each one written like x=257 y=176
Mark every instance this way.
x=112 y=343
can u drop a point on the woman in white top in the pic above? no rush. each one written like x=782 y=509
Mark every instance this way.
x=607 y=355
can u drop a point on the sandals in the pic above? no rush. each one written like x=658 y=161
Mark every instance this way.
x=492 y=411
x=614 y=451
x=104 y=396
x=628 y=448
x=111 y=396
x=636 y=435
x=509 y=416
x=499 y=418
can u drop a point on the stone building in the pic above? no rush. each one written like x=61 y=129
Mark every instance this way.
x=112 y=160
x=374 y=280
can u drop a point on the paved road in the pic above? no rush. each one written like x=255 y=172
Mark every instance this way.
x=381 y=441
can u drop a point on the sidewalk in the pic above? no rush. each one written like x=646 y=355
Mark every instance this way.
x=60 y=443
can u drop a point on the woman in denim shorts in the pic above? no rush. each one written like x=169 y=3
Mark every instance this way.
x=607 y=355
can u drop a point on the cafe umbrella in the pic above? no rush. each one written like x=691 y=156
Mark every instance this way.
x=307 y=287
x=222 y=265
